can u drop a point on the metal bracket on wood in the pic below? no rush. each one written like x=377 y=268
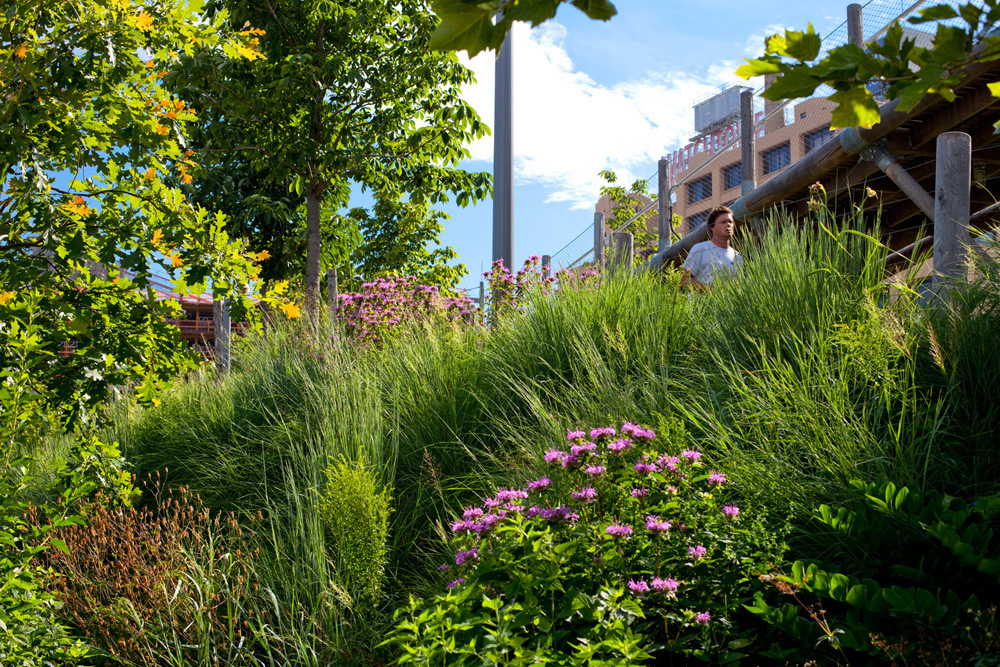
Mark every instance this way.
x=887 y=163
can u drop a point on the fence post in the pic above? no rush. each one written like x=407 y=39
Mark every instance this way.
x=546 y=266
x=855 y=26
x=222 y=325
x=623 y=260
x=748 y=159
x=599 y=240
x=951 y=210
x=482 y=295
x=331 y=289
x=665 y=228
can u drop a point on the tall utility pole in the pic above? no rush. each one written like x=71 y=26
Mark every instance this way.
x=503 y=160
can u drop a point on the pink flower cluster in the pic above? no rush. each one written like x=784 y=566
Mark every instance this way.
x=387 y=303
x=508 y=292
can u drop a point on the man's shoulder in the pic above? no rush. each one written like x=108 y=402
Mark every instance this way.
x=701 y=247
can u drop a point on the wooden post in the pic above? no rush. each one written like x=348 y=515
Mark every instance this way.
x=599 y=240
x=222 y=325
x=622 y=244
x=546 y=266
x=748 y=163
x=855 y=26
x=482 y=295
x=331 y=289
x=664 y=229
x=951 y=210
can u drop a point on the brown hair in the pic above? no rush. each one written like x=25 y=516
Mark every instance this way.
x=716 y=212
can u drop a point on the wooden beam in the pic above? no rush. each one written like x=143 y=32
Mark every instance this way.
x=950 y=116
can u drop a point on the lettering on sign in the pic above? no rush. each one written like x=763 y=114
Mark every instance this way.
x=680 y=159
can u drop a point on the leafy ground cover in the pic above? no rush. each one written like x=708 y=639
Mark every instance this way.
x=804 y=381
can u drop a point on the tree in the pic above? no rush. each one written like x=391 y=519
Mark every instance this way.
x=474 y=25
x=349 y=92
x=626 y=204
x=89 y=143
x=905 y=70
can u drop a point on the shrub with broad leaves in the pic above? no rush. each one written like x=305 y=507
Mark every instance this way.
x=627 y=548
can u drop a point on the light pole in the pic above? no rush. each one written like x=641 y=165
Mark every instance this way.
x=503 y=160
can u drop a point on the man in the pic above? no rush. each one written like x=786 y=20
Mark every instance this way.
x=709 y=259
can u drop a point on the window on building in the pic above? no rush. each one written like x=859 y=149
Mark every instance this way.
x=696 y=219
x=700 y=189
x=732 y=176
x=776 y=158
x=814 y=140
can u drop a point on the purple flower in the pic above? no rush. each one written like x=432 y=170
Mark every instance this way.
x=595 y=471
x=532 y=512
x=487 y=523
x=731 y=511
x=639 y=588
x=703 y=618
x=492 y=503
x=582 y=449
x=460 y=580
x=462 y=557
x=570 y=461
x=716 y=478
x=619 y=446
x=640 y=492
x=628 y=428
x=508 y=495
x=691 y=456
x=461 y=527
x=443 y=567
x=585 y=495
x=603 y=433
x=668 y=462
x=617 y=530
x=559 y=515
x=656 y=526
x=472 y=513
x=575 y=435
x=666 y=586
x=646 y=468
x=637 y=432
x=670 y=490
x=539 y=484
x=697 y=553
x=554 y=456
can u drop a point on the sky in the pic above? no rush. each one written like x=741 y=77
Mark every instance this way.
x=591 y=95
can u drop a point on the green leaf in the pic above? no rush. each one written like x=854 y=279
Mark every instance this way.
x=759 y=67
x=934 y=13
x=803 y=46
x=792 y=83
x=599 y=10
x=855 y=107
x=464 y=27
x=60 y=545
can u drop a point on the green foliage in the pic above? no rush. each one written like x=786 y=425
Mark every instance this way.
x=470 y=25
x=930 y=560
x=628 y=551
x=355 y=508
x=80 y=97
x=850 y=68
x=625 y=205
x=348 y=93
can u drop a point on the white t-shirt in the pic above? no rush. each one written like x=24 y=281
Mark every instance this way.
x=707 y=260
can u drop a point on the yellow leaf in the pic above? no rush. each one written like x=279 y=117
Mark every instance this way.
x=79 y=200
x=144 y=21
x=5 y=298
x=162 y=129
x=156 y=402
x=21 y=50
x=291 y=310
x=175 y=260
x=157 y=237
x=150 y=174
x=262 y=255
x=186 y=179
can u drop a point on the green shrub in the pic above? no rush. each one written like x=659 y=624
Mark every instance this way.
x=630 y=548
x=355 y=507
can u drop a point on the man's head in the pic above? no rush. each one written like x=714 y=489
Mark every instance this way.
x=721 y=224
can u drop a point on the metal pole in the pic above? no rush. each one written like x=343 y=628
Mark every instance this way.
x=951 y=210
x=599 y=240
x=855 y=26
x=222 y=324
x=624 y=257
x=748 y=164
x=546 y=266
x=503 y=160
x=662 y=202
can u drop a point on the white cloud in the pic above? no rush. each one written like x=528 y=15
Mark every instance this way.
x=567 y=127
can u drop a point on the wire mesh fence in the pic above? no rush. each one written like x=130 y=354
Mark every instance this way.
x=877 y=17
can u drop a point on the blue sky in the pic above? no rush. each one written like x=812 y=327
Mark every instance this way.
x=590 y=95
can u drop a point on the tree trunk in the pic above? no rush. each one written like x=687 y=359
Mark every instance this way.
x=313 y=193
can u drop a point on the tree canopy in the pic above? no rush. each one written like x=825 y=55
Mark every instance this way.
x=348 y=92
x=95 y=173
